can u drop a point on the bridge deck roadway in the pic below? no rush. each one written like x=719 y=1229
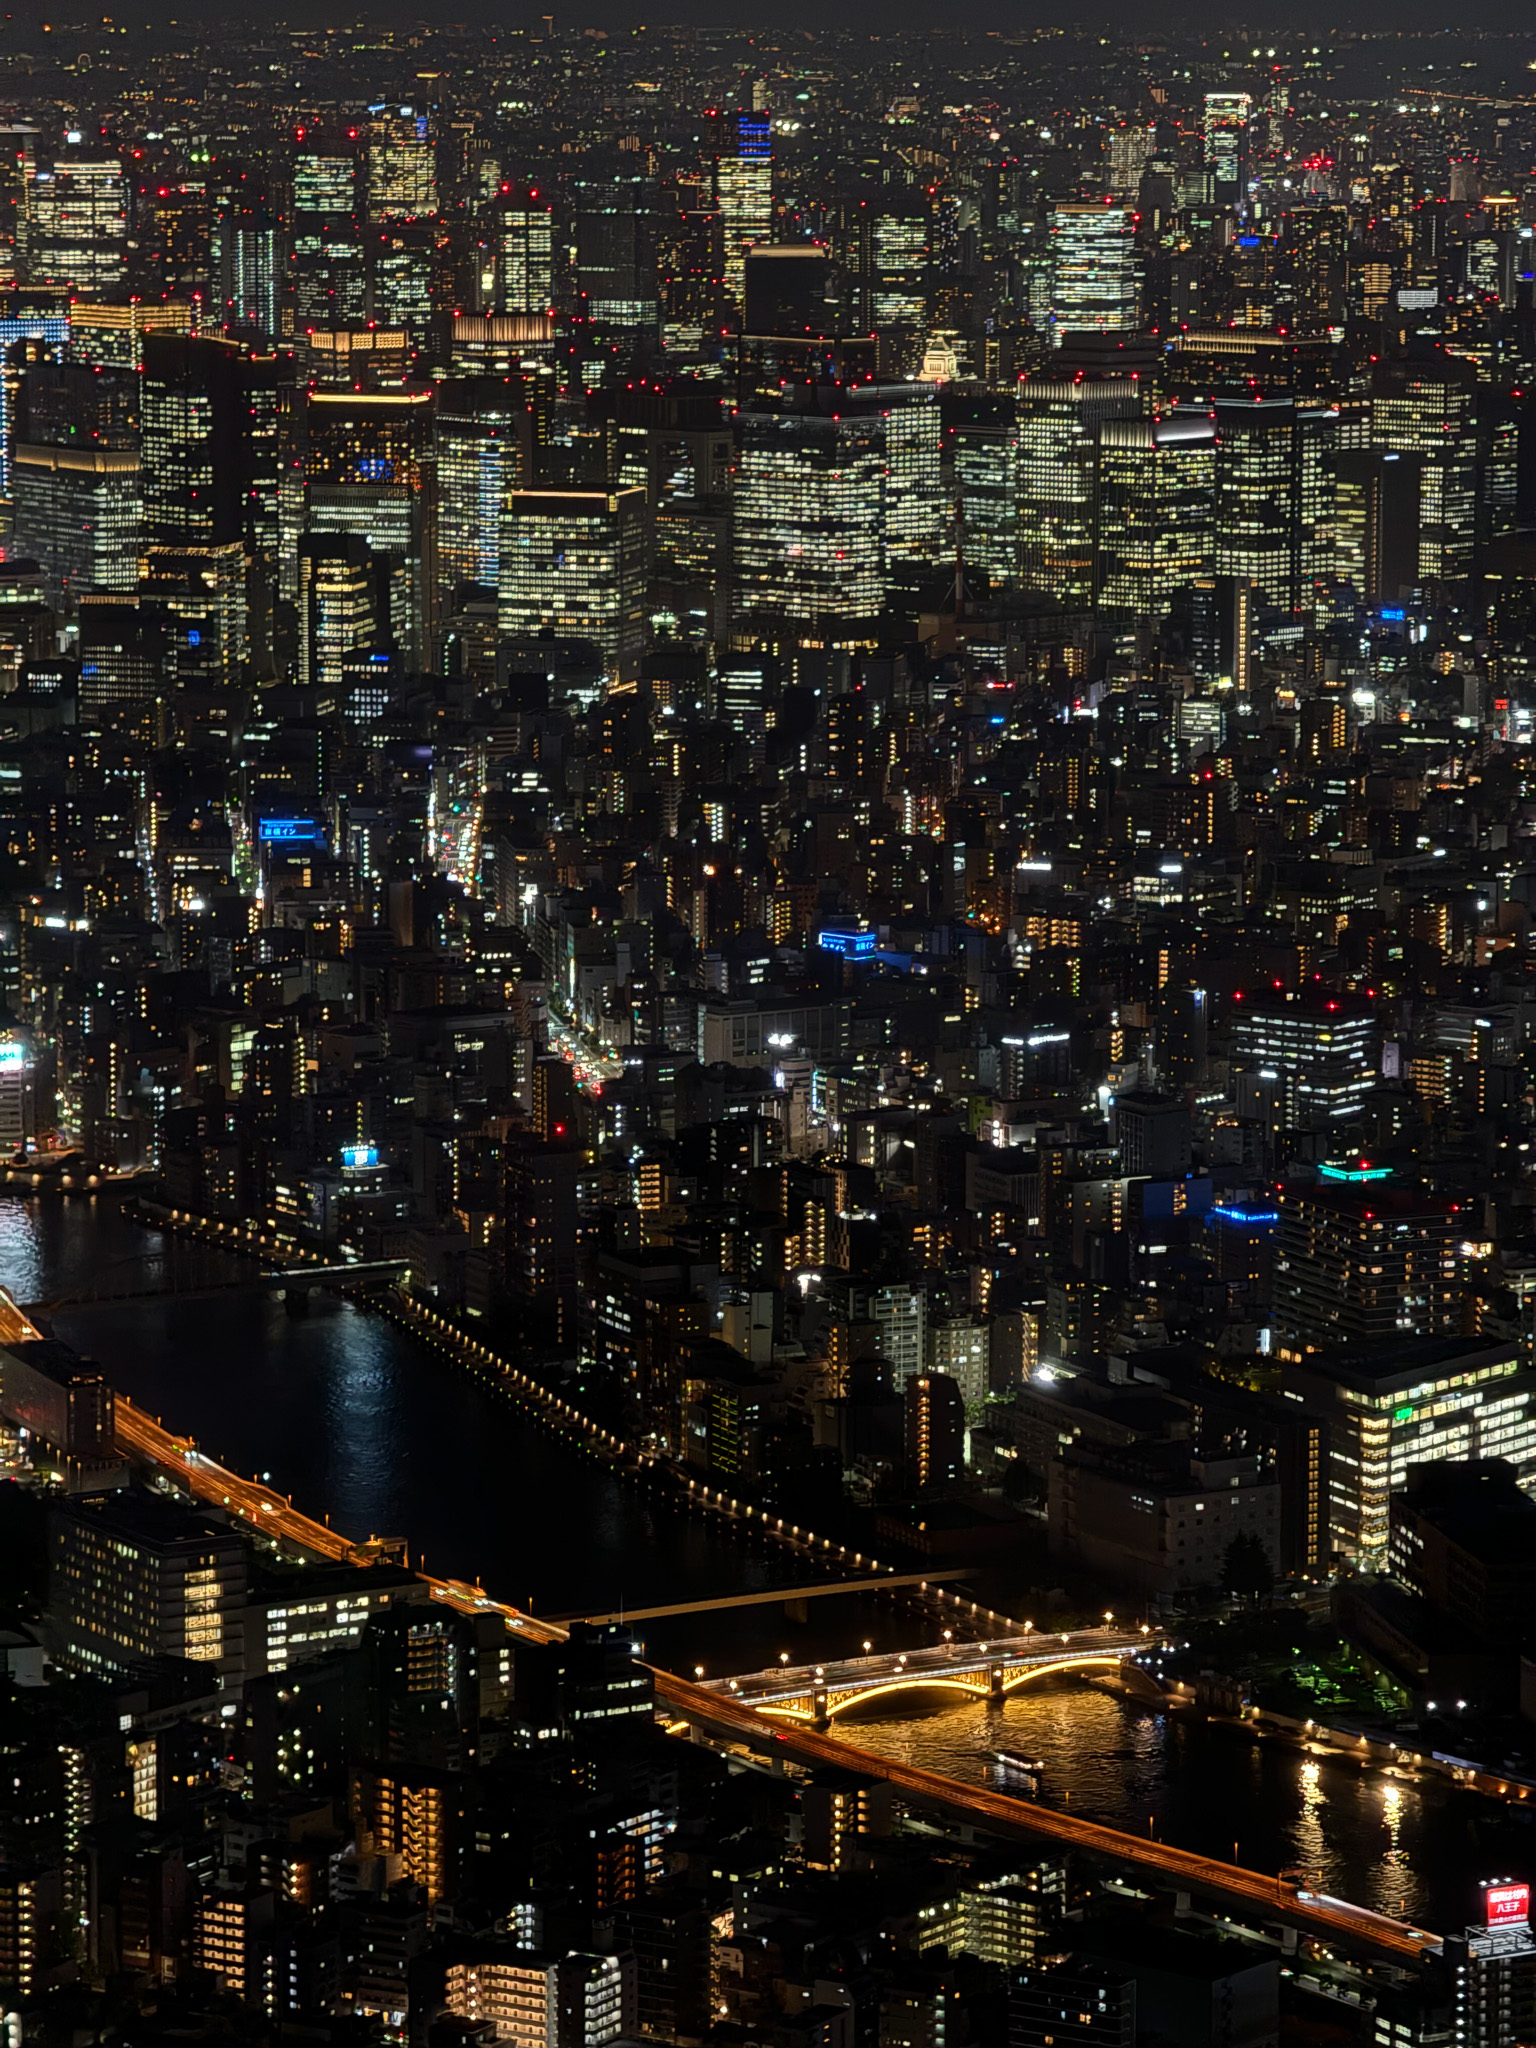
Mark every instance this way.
x=818 y=1590
x=967 y=1666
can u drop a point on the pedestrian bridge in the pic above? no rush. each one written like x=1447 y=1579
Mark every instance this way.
x=818 y=1692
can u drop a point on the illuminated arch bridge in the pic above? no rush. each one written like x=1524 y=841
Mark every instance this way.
x=818 y=1692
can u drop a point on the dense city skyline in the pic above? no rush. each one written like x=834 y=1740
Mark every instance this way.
x=767 y=1031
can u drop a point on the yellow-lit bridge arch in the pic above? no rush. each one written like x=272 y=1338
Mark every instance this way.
x=818 y=1692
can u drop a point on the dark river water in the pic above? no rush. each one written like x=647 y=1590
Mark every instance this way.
x=356 y=1421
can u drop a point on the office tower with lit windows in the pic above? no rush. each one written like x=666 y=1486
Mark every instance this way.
x=1405 y=1400
x=402 y=276
x=482 y=454
x=77 y=236
x=343 y=608
x=402 y=165
x=1429 y=410
x=983 y=435
x=518 y=273
x=252 y=264
x=808 y=532
x=328 y=257
x=1363 y=1258
x=919 y=539
x=1274 y=497
x=77 y=512
x=1225 y=129
x=615 y=240
x=1315 y=255
x=1321 y=1051
x=135 y=1576
x=203 y=600
x=1058 y=421
x=1154 y=511
x=575 y=561
x=367 y=470
x=195 y=447
x=1094 y=279
x=890 y=259
x=739 y=150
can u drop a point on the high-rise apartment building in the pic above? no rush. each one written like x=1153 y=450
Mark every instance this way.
x=1361 y=1259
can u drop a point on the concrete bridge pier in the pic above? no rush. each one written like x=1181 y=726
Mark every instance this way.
x=296 y=1299
x=796 y=1610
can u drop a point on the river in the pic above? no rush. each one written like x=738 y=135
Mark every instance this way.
x=356 y=1421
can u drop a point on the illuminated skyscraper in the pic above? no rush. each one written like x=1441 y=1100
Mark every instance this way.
x=890 y=263
x=984 y=445
x=616 y=250
x=77 y=236
x=339 y=608
x=1274 y=493
x=1093 y=269
x=808 y=541
x=576 y=561
x=1154 y=490
x=741 y=147
x=1058 y=422
x=519 y=253
x=201 y=597
x=329 y=263
x=1429 y=409
x=1226 y=140
x=742 y=152
x=402 y=168
x=482 y=450
x=77 y=511
x=195 y=457
x=366 y=473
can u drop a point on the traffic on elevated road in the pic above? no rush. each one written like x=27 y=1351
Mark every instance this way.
x=1331 y=1921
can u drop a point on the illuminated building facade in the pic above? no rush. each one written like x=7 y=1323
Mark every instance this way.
x=1321 y=1051
x=1404 y=1402
x=1154 y=503
x=808 y=543
x=576 y=561
x=741 y=147
x=142 y=1577
x=1094 y=281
